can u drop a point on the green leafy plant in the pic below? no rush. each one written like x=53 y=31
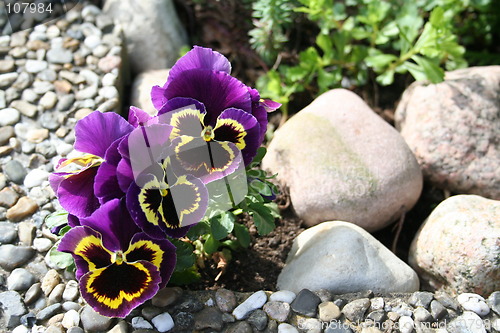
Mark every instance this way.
x=359 y=37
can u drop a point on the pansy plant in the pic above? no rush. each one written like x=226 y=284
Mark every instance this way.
x=140 y=186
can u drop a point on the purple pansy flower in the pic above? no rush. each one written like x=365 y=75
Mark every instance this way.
x=203 y=77
x=73 y=180
x=118 y=266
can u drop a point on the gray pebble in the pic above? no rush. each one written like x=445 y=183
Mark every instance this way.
x=26 y=232
x=277 y=310
x=306 y=303
x=494 y=302
x=13 y=308
x=141 y=323
x=46 y=149
x=355 y=310
x=56 y=294
x=209 y=317
x=93 y=321
x=41 y=87
x=240 y=327
x=228 y=318
x=258 y=319
x=71 y=291
x=338 y=327
x=75 y=330
x=468 y=322
x=163 y=322
x=8 y=233
x=47 y=75
x=71 y=306
x=422 y=315
x=40 y=303
x=12 y=256
x=8 y=79
x=11 y=94
x=377 y=316
x=48 y=312
x=23 y=81
x=9 y=116
x=150 y=312
x=438 y=311
x=65 y=102
x=324 y=294
x=59 y=56
x=3 y=181
x=20 y=279
x=29 y=95
x=225 y=299
x=33 y=293
x=87 y=93
x=28 y=320
x=421 y=298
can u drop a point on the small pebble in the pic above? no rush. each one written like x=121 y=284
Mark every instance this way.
x=35 y=66
x=422 y=315
x=8 y=233
x=42 y=244
x=141 y=323
x=56 y=294
x=93 y=321
x=48 y=312
x=9 y=116
x=50 y=281
x=494 y=302
x=468 y=322
x=49 y=100
x=225 y=299
x=254 y=302
x=421 y=298
x=163 y=322
x=71 y=291
x=406 y=324
x=258 y=319
x=24 y=207
x=473 y=302
x=27 y=109
x=8 y=197
x=355 y=310
x=12 y=256
x=438 y=311
x=166 y=296
x=26 y=233
x=209 y=317
x=278 y=311
x=33 y=293
x=20 y=279
x=287 y=328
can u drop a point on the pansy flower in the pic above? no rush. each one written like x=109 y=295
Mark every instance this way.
x=118 y=266
x=204 y=76
x=73 y=180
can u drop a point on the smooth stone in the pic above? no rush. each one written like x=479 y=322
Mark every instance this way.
x=32 y=293
x=121 y=327
x=453 y=129
x=166 y=296
x=258 y=319
x=24 y=80
x=364 y=262
x=24 y=207
x=163 y=322
x=8 y=197
x=49 y=100
x=12 y=256
x=355 y=310
x=72 y=77
x=59 y=56
x=27 y=109
x=406 y=324
x=286 y=296
x=328 y=311
x=35 y=66
x=50 y=120
x=109 y=63
x=7 y=66
x=71 y=319
x=86 y=93
x=276 y=310
x=109 y=79
x=50 y=281
x=157 y=19
x=3 y=181
x=438 y=311
x=71 y=291
x=468 y=322
x=36 y=177
x=109 y=105
x=345 y=179
x=41 y=87
x=473 y=302
x=26 y=233
x=309 y=325
x=209 y=317
x=13 y=308
x=29 y=95
x=377 y=316
x=47 y=75
x=7 y=79
x=6 y=132
x=254 y=302
x=461 y=234
x=240 y=327
x=109 y=92
x=64 y=149
x=48 y=312
x=9 y=116
x=287 y=328
x=93 y=321
x=225 y=299
x=377 y=303
x=37 y=135
x=92 y=41
x=14 y=171
x=422 y=315
x=56 y=294
x=402 y=309
x=141 y=89
x=8 y=233
x=21 y=329
x=92 y=78
x=446 y=300
x=141 y=323
x=71 y=306
x=494 y=302
x=42 y=244
x=20 y=279
x=150 y=312
x=306 y=303
x=28 y=320
x=421 y=298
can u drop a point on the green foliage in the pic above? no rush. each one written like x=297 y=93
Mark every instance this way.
x=355 y=38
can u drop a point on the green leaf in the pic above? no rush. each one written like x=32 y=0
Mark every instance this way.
x=185 y=255
x=211 y=244
x=242 y=234
x=263 y=219
x=199 y=229
x=185 y=277
x=261 y=187
x=325 y=44
x=222 y=225
x=415 y=70
x=433 y=72
x=261 y=152
x=56 y=219
x=386 y=78
x=379 y=61
x=62 y=260
x=64 y=230
x=273 y=209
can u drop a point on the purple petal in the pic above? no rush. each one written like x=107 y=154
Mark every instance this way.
x=178 y=103
x=259 y=112
x=217 y=91
x=160 y=252
x=124 y=174
x=73 y=221
x=114 y=223
x=116 y=290
x=270 y=105
x=240 y=128
x=106 y=186
x=137 y=117
x=158 y=97
x=97 y=131
x=76 y=193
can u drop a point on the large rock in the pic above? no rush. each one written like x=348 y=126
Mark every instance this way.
x=153 y=32
x=458 y=247
x=343 y=162
x=453 y=128
x=343 y=258
x=141 y=88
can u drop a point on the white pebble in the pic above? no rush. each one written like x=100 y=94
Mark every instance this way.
x=163 y=322
x=49 y=100
x=210 y=302
x=35 y=66
x=254 y=302
x=71 y=319
x=474 y=303
x=405 y=324
x=141 y=323
x=469 y=322
x=109 y=80
x=35 y=178
x=20 y=329
x=92 y=41
x=283 y=296
x=42 y=244
x=287 y=328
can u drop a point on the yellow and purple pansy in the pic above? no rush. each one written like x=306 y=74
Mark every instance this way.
x=119 y=266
